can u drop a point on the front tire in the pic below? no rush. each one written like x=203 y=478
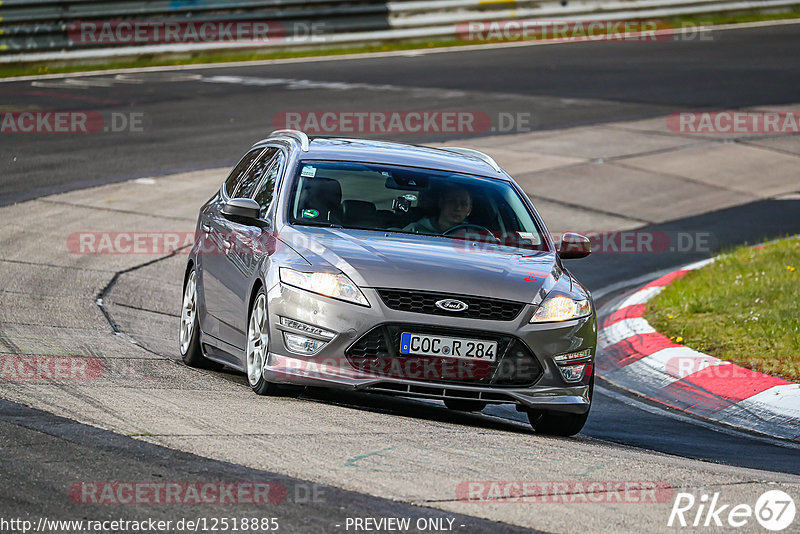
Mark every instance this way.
x=258 y=346
x=189 y=340
x=560 y=424
x=557 y=424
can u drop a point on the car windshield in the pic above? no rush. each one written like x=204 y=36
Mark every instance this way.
x=411 y=200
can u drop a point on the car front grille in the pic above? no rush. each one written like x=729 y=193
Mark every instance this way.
x=425 y=302
x=377 y=353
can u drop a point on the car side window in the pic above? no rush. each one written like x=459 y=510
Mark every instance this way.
x=247 y=185
x=267 y=188
x=239 y=171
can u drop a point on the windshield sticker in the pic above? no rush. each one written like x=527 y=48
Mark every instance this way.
x=309 y=172
x=310 y=214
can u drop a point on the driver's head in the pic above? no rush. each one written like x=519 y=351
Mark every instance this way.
x=455 y=205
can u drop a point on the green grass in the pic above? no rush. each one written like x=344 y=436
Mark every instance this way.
x=25 y=69
x=743 y=308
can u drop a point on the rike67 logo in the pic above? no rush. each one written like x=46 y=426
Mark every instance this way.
x=774 y=510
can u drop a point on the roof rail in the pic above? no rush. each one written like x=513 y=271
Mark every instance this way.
x=475 y=154
x=299 y=136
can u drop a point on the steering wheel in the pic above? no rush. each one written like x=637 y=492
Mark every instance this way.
x=478 y=227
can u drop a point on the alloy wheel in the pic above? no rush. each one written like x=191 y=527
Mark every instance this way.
x=257 y=340
x=188 y=311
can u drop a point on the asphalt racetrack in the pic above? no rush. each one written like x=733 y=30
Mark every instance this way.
x=201 y=119
x=204 y=118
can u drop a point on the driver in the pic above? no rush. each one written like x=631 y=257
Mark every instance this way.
x=455 y=205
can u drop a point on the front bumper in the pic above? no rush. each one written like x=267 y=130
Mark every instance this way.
x=331 y=367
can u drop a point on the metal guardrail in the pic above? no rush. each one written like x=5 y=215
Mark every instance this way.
x=66 y=11
x=39 y=25
x=35 y=30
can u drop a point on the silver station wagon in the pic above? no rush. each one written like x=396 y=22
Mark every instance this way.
x=389 y=268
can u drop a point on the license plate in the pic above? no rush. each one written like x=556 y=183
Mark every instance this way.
x=447 y=347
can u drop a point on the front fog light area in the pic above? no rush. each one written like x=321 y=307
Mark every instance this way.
x=562 y=359
x=310 y=329
x=302 y=344
x=572 y=373
x=570 y=369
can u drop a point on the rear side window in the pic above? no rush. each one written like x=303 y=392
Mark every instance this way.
x=267 y=188
x=247 y=185
x=239 y=171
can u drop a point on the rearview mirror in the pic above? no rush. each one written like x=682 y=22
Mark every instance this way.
x=574 y=246
x=244 y=211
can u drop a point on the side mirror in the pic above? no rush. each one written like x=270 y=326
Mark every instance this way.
x=574 y=246
x=244 y=211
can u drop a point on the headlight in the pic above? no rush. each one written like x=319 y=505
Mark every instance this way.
x=335 y=286
x=561 y=308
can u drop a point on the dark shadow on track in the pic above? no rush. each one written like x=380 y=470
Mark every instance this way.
x=52 y=454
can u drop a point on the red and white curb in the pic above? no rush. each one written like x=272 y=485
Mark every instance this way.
x=633 y=356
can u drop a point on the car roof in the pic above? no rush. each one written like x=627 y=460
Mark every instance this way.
x=390 y=153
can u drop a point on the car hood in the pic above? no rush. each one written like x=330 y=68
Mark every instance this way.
x=427 y=263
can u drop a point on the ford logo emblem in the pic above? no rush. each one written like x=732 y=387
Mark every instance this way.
x=452 y=305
